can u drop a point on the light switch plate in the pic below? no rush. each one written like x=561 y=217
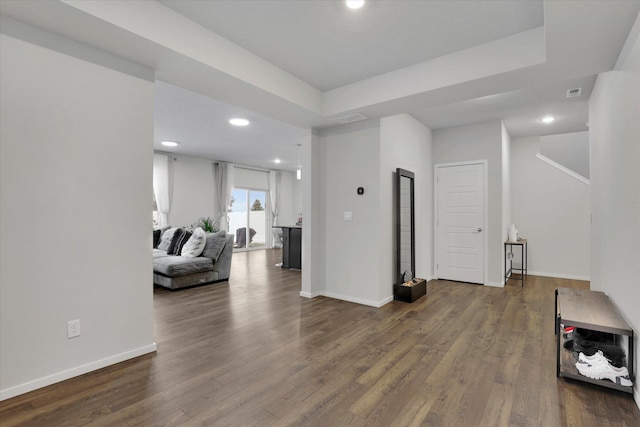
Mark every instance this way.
x=348 y=216
x=73 y=328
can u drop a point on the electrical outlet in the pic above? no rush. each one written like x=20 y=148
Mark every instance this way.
x=73 y=328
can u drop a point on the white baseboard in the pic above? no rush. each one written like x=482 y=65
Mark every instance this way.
x=560 y=276
x=564 y=169
x=352 y=299
x=495 y=284
x=387 y=300
x=348 y=298
x=310 y=294
x=74 y=372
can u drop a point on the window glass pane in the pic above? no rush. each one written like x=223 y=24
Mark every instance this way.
x=238 y=215
x=257 y=218
x=248 y=218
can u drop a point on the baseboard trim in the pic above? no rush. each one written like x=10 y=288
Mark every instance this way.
x=304 y=294
x=495 y=284
x=559 y=276
x=564 y=169
x=385 y=301
x=348 y=298
x=75 y=372
x=341 y=297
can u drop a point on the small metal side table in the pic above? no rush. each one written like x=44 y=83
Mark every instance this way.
x=508 y=261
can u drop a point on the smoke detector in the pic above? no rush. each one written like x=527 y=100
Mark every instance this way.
x=572 y=93
x=350 y=118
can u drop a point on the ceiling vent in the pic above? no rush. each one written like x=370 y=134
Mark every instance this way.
x=355 y=117
x=572 y=93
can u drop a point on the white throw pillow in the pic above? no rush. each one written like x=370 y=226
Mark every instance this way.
x=195 y=244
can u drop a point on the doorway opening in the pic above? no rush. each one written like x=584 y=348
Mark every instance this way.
x=461 y=221
x=248 y=218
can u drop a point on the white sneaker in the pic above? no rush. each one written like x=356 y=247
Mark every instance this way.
x=599 y=357
x=599 y=368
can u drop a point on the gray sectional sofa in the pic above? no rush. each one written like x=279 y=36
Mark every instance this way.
x=213 y=265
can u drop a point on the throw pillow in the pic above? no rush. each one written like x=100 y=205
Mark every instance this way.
x=215 y=244
x=183 y=241
x=177 y=242
x=195 y=244
x=165 y=240
x=156 y=238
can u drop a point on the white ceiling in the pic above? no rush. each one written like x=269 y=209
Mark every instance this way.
x=293 y=65
x=328 y=45
x=201 y=125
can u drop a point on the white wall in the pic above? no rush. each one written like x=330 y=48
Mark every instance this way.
x=551 y=209
x=75 y=184
x=352 y=159
x=290 y=199
x=571 y=150
x=193 y=190
x=313 y=229
x=405 y=143
x=480 y=142
x=506 y=185
x=338 y=161
x=615 y=183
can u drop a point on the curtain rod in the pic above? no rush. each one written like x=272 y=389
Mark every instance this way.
x=251 y=169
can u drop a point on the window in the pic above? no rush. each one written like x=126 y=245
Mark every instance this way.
x=248 y=217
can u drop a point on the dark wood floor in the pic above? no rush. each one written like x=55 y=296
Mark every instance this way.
x=252 y=352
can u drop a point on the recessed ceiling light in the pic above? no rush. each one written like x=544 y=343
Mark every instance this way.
x=548 y=119
x=169 y=143
x=354 y=4
x=238 y=121
x=276 y=161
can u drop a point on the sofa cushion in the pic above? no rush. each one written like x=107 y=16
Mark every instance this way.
x=165 y=239
x=172 y=266
x=215 y=244
x=159 y=253
x=195 y=244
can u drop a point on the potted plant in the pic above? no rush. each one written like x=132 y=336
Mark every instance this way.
x=208 y=225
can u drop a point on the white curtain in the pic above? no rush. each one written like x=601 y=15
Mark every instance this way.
x=161 y=187
x=275 y=179
x=224 y=173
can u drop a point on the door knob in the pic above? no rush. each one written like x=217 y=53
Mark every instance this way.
x=479 y=229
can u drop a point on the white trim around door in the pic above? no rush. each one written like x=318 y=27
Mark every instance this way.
x=436 y=217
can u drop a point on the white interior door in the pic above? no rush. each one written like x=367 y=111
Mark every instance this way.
x=460 y=222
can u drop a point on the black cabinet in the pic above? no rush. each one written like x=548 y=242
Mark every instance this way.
x=292 y=247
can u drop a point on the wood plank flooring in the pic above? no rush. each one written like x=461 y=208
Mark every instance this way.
x=252 y=352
